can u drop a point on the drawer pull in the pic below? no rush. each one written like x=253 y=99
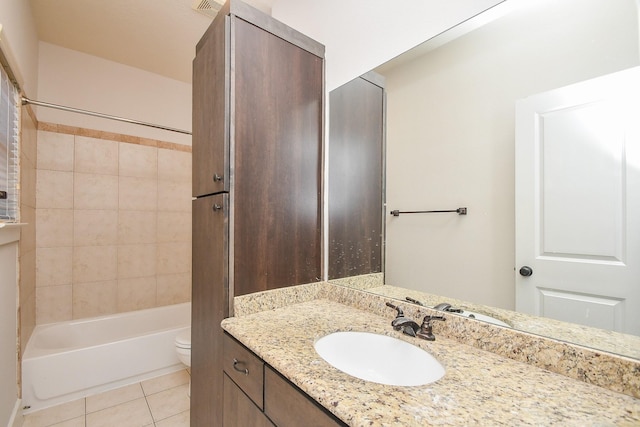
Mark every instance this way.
x=235 y=366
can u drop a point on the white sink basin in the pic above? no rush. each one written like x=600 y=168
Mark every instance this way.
x=379 y=358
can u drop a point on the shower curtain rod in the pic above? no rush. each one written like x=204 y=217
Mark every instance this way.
x=101 y=115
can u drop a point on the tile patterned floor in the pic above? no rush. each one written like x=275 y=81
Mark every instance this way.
x=158 y=402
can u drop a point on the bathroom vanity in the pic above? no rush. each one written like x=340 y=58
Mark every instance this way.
x=256 y=394
x=479 y=387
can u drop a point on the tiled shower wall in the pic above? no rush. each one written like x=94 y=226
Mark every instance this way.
x=113 y=219
x=27 y=291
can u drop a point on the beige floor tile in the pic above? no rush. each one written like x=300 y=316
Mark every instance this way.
x=169 y=402
x=75 y=422
x=114 y=397
x=180 y=420
x=56 y=414
x=165 y=382
x=131 y=414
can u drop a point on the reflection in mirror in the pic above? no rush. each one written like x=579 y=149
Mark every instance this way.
x=450 y=142
x=356 y=171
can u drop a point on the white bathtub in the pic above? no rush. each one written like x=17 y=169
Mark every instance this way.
x=74 y=359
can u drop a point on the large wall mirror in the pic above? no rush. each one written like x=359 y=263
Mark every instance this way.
x=450 y=143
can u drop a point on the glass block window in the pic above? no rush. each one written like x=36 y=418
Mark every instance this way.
x=9 y=149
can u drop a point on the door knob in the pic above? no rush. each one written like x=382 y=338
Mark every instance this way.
x=526 y=271
x=217 y=178
x=217 y=207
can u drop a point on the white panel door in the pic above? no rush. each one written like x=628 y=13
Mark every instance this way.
x=578 y=203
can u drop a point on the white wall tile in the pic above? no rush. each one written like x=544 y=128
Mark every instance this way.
x=136 y=260
x=95 y=227
x=174 y=258
x=53 y=304
x=174 y=196
x=135 y=227
x=113 y=226
x=94 y=263
x=54 y=189
x=174 y=288
x=28 y=181
x=94 y=299
x=138 y=160
x=136 y=293
x=55 y=151
x=93 y=191
x=54 y=266
x=96 y=156
x=138 y=194
x=54 y=227
x=174 y=165
x=174 y=227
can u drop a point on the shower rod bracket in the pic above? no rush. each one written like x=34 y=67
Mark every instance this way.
x=459 y=211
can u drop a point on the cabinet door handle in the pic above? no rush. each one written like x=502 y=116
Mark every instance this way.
x=217 y=207
x=235 y=366
x=217 y=178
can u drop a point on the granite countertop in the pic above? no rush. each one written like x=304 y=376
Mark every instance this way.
x=613 y=342
x=478 y=388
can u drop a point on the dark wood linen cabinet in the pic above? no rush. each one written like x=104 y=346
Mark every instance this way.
x=258 y=92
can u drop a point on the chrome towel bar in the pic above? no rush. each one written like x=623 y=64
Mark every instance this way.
x=459 y=211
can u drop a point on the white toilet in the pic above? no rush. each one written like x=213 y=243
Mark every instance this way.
x=183 y=346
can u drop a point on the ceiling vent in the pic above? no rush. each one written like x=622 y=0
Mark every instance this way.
x=207 y=7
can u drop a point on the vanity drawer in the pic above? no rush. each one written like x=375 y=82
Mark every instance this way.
x=288 y=406
x=244 y=368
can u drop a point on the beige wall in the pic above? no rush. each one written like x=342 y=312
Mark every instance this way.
x=75 y=79
x=361 y=35
x=450 y=138
x=114 y=223
x=19 y=42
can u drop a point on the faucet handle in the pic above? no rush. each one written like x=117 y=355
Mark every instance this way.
x=397 y=308
x=428 y=318
x=426 y=329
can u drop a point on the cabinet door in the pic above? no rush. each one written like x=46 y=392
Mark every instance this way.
x=239 y=410
x=245 y=369
x=356 y=173
x=277 y=142
x=287 y=406
x=209 y=306
x=210 y=113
